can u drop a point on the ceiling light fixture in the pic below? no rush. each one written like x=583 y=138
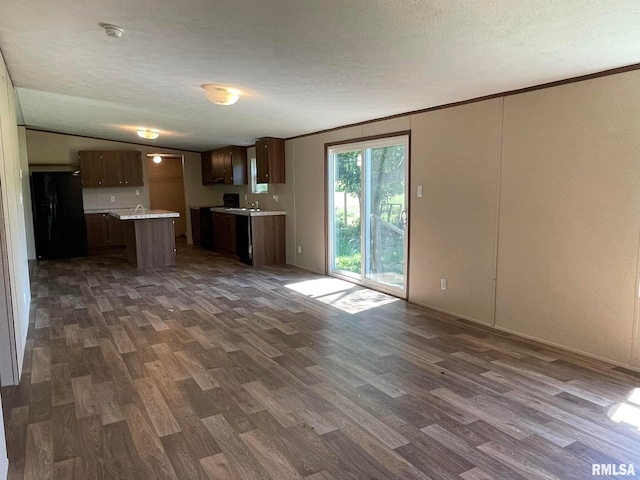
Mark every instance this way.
x=221 y=95
x=148 y=134
x=157 y=159
x=112 y=30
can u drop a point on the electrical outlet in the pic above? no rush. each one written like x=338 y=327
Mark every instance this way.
x=245 y=198
x=419 y=190
x=299 y=249
x=113 y=198
x=137 y=192
x=275 y=197
x=443 y=284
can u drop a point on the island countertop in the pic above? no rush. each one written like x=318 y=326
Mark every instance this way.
x=248 y=212
x=131 y=214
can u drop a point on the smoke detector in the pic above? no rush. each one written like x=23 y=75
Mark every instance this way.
x=112 y=30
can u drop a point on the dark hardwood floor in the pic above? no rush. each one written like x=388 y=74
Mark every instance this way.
x=214 y=370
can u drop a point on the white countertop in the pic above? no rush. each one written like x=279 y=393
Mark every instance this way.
x=248 y=212
x=131 y=214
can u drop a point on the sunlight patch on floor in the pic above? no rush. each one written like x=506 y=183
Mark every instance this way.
x=626 y=413
x=346 y=296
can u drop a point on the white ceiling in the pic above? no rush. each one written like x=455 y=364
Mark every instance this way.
x=304 y=65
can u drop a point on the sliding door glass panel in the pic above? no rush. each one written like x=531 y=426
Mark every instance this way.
x=347 y=232
x=385 y=211
x=368 y=213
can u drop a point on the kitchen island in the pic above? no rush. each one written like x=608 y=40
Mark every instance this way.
x=149 y=236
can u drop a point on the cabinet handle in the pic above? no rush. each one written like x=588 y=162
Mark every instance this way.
x=126 y=181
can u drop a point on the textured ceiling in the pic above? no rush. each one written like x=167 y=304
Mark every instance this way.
x=304 y=65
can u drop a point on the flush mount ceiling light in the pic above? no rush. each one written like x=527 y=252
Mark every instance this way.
x=148 y=134
x=112 y=30
x=157 y=159
x=221 y=95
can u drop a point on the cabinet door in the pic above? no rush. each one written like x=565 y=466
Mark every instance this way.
x=97 y=230
x=239 y=165
x=112 y=169
x=132 y=169
x=218 y=229
x=218 y=166
x=116 y=231
x=207 y=168
x=195 y=226
x=227 y=166
x=91 y=169
x=275 y=160
x=262 y=168
x=231 y=233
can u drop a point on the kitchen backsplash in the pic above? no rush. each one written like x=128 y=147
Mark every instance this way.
x=117 y=197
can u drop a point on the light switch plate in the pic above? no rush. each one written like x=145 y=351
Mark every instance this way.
x=419 y=190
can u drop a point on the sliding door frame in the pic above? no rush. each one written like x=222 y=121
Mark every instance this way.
x=328 y=202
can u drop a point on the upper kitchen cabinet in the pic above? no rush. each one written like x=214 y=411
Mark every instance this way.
x=226 y=165
x=110 y=169
x=270 y=160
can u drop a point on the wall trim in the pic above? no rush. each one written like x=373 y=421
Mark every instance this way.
x=508 y=93
x=563 y=348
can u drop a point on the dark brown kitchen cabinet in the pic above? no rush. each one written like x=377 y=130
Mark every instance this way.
x=270 y=160
x=97 y=231
x=226 y=165
x=224 y=232
x=104 y=231
x=110 y=168
x=207 y=168
x=91 y=169
x=195 y=226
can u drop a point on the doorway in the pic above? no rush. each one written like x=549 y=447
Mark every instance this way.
x=166 y=187
x=367 y=213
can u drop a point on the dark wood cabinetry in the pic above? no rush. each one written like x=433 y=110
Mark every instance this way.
x=226 y=165
x=257 y=240
x=195 y=226
x=110 y=169
x=103 y=231
x=224 y=232
x=270 y=160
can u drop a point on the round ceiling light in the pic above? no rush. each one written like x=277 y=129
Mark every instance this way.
x=221 y=95
x=148 y=134
x=157 y=159
x=112 y=30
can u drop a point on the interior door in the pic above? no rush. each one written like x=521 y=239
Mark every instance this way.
x=368 y=213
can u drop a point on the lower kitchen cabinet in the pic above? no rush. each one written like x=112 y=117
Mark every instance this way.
x=257 y=240
x=224 y=232
x=103 y=231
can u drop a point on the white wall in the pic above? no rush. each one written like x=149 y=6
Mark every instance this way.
x=14 y=235
x=531 y=211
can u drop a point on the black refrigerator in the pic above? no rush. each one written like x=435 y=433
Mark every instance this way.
x=58 y=215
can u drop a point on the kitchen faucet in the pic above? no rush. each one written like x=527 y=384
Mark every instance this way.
x=139 y=207
x=255 y=205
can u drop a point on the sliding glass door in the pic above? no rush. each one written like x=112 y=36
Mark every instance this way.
x=368 y=213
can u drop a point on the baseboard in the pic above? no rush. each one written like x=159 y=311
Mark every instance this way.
x=534 y=339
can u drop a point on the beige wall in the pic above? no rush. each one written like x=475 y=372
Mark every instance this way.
x=570 y=215
x=531 y=213
x=455 y=156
